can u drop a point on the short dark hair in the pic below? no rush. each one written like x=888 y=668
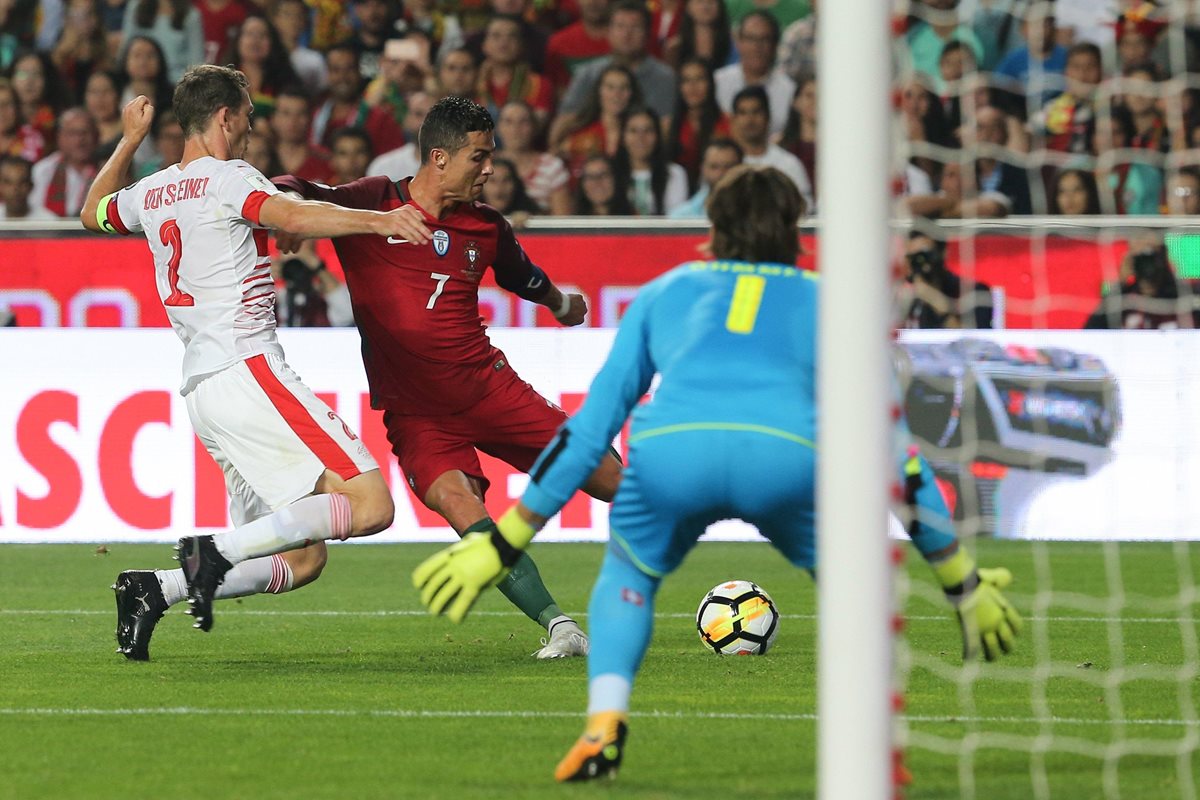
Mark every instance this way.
x=203 y=91
x=351 y=133
x=722 y=143
x=1085 y=48
x=635 y=6
x=765 y=16
x=449 y=122
x=754 y=213
x=752 y=93
x=16 y=161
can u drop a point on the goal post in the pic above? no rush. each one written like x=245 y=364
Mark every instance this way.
x=854 y=652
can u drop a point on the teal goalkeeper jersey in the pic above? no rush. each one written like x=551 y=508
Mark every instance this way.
x=735 y=345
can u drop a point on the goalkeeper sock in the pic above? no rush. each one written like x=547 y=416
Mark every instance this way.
x=620 y=621
x=523 y=586
x=309 y=519
x=270 y=574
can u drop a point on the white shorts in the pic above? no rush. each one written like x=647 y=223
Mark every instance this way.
x=271 y=436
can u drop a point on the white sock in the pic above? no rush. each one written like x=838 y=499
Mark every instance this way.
x=258 y=575
x=309 y=519
x=556 y=620
x=174 y=587
x=609 y=692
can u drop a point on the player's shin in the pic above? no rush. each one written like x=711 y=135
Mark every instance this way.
x=523 y=586
x=310 y=519
x=621 y=620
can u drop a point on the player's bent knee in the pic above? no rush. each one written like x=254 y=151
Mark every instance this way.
x=371 y=514
x=307 y=563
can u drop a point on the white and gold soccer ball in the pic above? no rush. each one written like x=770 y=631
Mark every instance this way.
x=738 y=618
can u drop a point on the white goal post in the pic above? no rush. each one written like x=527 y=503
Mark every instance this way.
x=855 y=587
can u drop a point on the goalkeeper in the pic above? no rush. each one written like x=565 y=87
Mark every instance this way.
x=730 y=432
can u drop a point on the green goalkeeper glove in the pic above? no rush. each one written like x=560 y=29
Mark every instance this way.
x=986 y=618
x=455 y=577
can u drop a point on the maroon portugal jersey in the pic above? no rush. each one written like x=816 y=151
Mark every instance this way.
x=424 y=344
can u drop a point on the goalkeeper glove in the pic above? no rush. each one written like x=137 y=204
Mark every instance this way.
x=455 y=577
x=986 y=618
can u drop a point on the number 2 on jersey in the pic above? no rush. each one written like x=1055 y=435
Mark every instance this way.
x=437 y=291
x=743 y=307
x=169 y=235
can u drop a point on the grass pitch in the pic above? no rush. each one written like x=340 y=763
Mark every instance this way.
x=345 y=689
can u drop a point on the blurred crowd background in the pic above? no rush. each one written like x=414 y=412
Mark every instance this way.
x=624 y=107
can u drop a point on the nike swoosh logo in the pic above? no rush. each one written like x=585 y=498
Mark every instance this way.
x=394 y=240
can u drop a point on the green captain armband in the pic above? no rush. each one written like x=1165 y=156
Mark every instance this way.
x=102 y=219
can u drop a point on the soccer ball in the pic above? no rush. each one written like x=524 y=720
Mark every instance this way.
x=738 y=618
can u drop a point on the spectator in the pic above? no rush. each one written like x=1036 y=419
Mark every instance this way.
x=61 y=179
x=1137 y=33
x=372 y=29
x=937 y=23
x=261 y=155
x=664 y=25
x=628 y=28
x=655 y=185
x=597 y=128
x=16 y=185
x=784 y=12
x=995 y=172
x=751 y=132
x=297 y=155
x=720 y=156
x=457 y=73
x=579 y=43
x=1062 y=124
x=174 y=25
x=220 y=21
x=345 y=107
x=937 y=298
x=102 y=99
x=696 y=120
x=403 y=161
x=83 y=46
x=1035 y=69
x=1151 y=296
x=704 y=33
x=1128 y=186
x=800 y=133
x=956 y=67
x=290 y=18
x=1075 y=194
x=351 y=155
x=39 y=91
x=798 y=47
x=442 y=29
x=505 y=192
x=262 y=58
x=17 y=137
x=1183 y=192
x=1141 y=97
x=533 y=36
x=756 y=40
x=312 y=296
x=505 y=75
x=544 y=177
x=599 y=194
x=404 y=69
x=143 y=70
x=168 y=143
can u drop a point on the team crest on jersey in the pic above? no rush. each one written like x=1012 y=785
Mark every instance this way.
x=441 y=242
x=471 y=251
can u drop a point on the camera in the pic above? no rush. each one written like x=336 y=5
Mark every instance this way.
x=1151 y=265
x=925 y=264
x=297 y=275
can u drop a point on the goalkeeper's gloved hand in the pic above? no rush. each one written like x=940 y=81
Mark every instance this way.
x=454 y=577
x=987 y=620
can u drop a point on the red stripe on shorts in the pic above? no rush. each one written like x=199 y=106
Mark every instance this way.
x=300 y=420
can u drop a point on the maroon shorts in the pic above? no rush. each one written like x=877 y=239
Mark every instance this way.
x=511 y=422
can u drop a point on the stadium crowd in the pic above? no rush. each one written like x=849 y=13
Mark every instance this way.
x=616 y=107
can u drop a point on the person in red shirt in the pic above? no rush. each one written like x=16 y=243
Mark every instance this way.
x=506 y=74
x=444 y=389
x=290 y=124
x=346 y=108
x=578 y=43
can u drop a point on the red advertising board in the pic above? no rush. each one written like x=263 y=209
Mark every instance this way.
x=1046 y=282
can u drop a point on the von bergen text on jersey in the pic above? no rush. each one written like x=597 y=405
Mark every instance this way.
x=185 y=189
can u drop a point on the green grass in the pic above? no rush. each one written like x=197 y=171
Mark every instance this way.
x=376 y=700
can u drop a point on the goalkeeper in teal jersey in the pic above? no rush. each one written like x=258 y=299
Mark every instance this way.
x=730 y=433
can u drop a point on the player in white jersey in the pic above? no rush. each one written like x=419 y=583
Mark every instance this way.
x=296 y=474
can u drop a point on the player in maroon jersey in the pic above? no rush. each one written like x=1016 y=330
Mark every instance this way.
x=444 y=389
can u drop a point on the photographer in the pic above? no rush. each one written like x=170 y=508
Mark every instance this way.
x=939 y=298
x=1150 y=297
x=312 y=296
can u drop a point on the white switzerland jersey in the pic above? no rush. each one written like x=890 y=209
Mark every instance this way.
x=210 y=259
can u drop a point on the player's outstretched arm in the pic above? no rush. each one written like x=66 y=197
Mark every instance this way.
x=135 y=125
x=987 y=620
x=569 y=309
x=314 y=219
x=451 y=580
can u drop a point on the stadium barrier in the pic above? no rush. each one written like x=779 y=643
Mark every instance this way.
x=96 y=445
